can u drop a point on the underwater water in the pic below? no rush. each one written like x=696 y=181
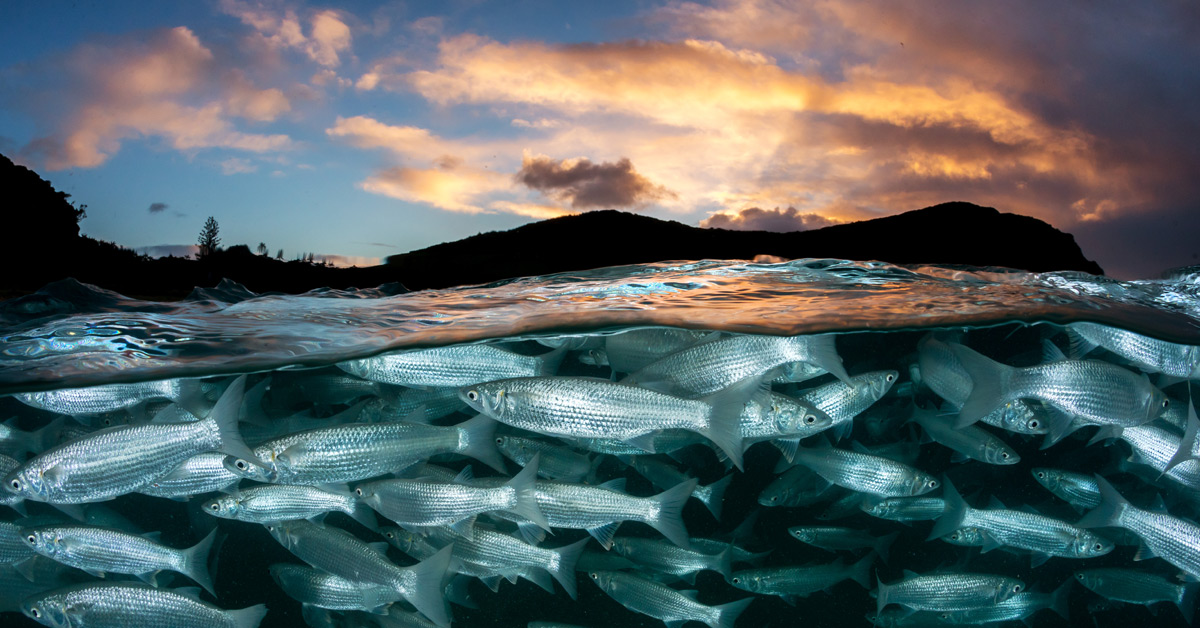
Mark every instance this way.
x=297 y=353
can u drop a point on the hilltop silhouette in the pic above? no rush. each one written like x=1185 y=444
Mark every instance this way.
x=54 y=249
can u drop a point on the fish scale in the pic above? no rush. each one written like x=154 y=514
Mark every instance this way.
x=312 y=586
x=202 y=473
x=446 y=366
x=865 y=473
x=1177 y=360
x=433 y=503
x=949 y=592
x=661 y=601
x=1128 y=585
x=842 y=402
x=103 y=605
x=109 y=551
x=104 y=398
x=266 y=503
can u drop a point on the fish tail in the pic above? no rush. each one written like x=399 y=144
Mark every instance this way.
x=884 y=545
x=881 y=597
x=725 y=615
x=1187 y=600
x=713 y=495
x=427 y=591
x=822 y=351
x=195 y=562
x=1188 y=442
x=951 y=518
x=226 y=414
x=551 y=361
x=724 y=418
x=481 y=442
x=190 y=397
x=525 y=487
x=723 y=563
x=860 y=571
x=990 y=379
x=1060 y=602
x=564 y=569
x=248 y=617
x=669 y=518
x=1108 y=513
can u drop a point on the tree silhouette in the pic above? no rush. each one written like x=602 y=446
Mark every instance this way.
x=208 y=240
x=262 y=248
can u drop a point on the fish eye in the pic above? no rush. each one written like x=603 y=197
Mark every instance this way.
x=358 y=491
x=933 y=484
x=953 y=536
x=890 y=377
x=1033 y=424
x=269 y=527
x=241 y=464
x=35 y=612
x=16 y=483
x=472 y=395
x=500 y=441
x=389 y=535
x=1165 y=403
x=594 y=575
x=31 y=538
x=736 y=580
x=1004 y=454
x=810 y=419
x=1041 y=475
x=1079 y=575
x=945 y=615
x=1099 y=546
x=1017 y=588
x=215 y=506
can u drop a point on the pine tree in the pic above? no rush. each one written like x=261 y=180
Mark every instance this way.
x=208 y=240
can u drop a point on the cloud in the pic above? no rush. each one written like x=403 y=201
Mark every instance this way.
x=164 y=86
x=237 y=165
x=346 y=261
x=531 y=210
x=163 y=250
x=587 y=185
x=453 y=188
x=758 y=219
x=328 y=39
x=156 y=208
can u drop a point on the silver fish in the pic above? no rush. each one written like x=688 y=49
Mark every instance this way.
x=946 y=591
x=662 y=602
x=797 y=486
x=629 y=351
x=105 y=550
x=267 y=503
x=312 y=586
x=971 y=442
x=942 y=372
x=501 y=554
x=707 y=367
x=1175 y=540
x=110 y=397
x=202 y=473
x=905 y=508
x=556 y=462
x=866 y=473
x=672 y=560
x=1140 y=587
x=592 y=408
x=833 y=539
x=1150 y=354
x=460 y=365
x=1077 y=489
x=121 y=604
x=791 y=583
x=340 y=553
x=121 y=460
x=1018 y=607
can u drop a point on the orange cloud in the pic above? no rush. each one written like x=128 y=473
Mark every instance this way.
x=329 y=37
x=454 y=188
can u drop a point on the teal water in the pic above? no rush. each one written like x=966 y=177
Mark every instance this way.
x=72 y=335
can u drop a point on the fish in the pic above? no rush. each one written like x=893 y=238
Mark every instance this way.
x=340 y=553
x=1077 y=489
x=111 y=397
x=969 y=442
x=834 y=539
x=1018 y=607
x=121 y=604
x=672 y=560
x=1149 y=354
x=905 y=509
x=629 y=351
x=797 y=486
x=866 y=473
x=556 y=461
x=270 y=502
x=457 y=366
x=202 y=473
x=592 y=408
x=1140 y=587
x=946 y=591
x=791 y=583
x=707 y=367
x=100 y=551
x=123 y=459
x=313 y=586
x=421 y=503
x=663 y=475
x=1175 y=540
x=500 y=554
x=662 y=602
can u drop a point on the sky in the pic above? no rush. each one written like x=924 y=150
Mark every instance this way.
x=358 y=130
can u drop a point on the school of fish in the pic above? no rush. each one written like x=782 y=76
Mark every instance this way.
x=397 y=481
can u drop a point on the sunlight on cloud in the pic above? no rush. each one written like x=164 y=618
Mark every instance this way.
x=328 y=39
x=454 y=189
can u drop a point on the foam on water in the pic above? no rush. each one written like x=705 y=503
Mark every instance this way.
x=72 y=334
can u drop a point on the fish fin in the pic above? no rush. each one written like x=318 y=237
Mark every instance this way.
x=524 y=485
x=841 y=431
x=860 y=571
x=491 y=582
x=823 y=353
x=952 y=517
x=645 y=442
x=225 y=415
x=466 y=476
x=605 y=533
x=1187 y=602
x=716 y=495
x=1144 y=552
x=790 y=600
x=1188 y=442
x=959 y=458
x=1103 y=433
x=745 y=530
x=1037 y=559
x=465 y=527
x=1059 y=424
x=989 y=379
x=248 y=617
x=564 y=569
x=1078 y=345
x=364 y=515
x=195 y=562
x=551 y=361
x=617 y=484
x=74 y=511
x=881 y=597
x=1060 y=602
x=675 y=623
x=787 y=446
x=884 y=545
x=1108 y=512
x=531 y=532
x=191 y=398
x=994 y=503
x=458 y=592
x=669 y=520
x=724 y=418
x=1051 y=352
x=481 y=442
x=19 y=506
x=427 y=590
